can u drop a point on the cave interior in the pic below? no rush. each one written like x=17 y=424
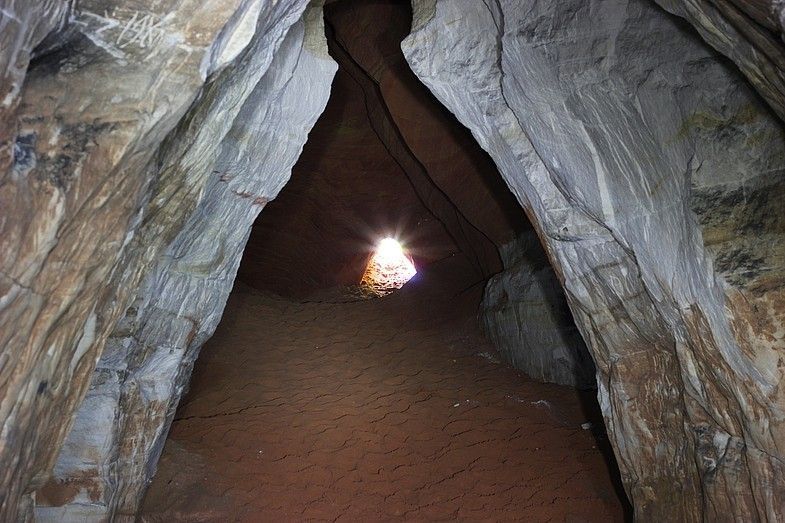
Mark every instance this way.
x=385 y=160
x=392 y=260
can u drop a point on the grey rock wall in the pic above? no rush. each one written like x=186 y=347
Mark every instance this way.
x=650 y=168
x=525 y=315
x=749 y=32
x=244 y=155
x=113 y=118
x=91 y=112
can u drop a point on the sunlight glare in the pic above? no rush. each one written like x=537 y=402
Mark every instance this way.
x=389 y=268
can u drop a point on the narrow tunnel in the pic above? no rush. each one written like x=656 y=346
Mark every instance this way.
x=316 y=398
x=392 y=260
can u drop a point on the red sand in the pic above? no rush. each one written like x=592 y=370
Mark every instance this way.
x=377 y=410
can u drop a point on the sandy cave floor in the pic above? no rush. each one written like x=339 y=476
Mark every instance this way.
x=392 y=409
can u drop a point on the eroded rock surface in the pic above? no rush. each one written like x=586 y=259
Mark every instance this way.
x=650 y=170
x=239 y=144
x=749 y=32
x=116 y=128
x=137 y=146
x=23 y=26
x=525 y=315
x=94 y=107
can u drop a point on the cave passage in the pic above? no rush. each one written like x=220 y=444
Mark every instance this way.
x=587 y=199
x=374 y=410
x=389 y=268
x=323 y=395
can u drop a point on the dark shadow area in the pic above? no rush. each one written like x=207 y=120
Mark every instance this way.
x=591 y=410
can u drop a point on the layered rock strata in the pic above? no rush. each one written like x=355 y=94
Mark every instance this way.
x=81 y=172
x=238 y=143
x=111 y=137
x=652 y=173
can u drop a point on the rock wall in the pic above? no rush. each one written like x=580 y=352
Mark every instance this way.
x=749 y=32
x=346 y=192
x=115 y=132
x=23 y=26
x=461 y=184
x=88 y=119
x=130 y=147
x=385 y=156
x=652 y=173
x=463 y=187
x=245 y=155
x=525 y=314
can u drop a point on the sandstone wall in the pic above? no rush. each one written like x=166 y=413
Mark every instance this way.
x=247 y=156
x=524 y=311
x=346 y=193
x=110 y=140
x=650 y=169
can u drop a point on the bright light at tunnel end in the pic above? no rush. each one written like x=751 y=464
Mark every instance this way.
x=389 y=251
x=389 y=268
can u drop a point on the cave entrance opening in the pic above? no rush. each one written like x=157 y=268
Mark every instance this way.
x=376 y=409
x=388 y=269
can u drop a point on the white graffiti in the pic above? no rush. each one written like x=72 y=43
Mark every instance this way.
x=119 y=30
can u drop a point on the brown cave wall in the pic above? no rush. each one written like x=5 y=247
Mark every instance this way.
x=523 y=311
x=346 y=192
x=385 y=158
x=454 y=161
x=388 y=158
